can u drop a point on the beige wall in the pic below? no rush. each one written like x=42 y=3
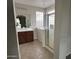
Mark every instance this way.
x=62 y=29
x=50 y=8
x=28 y=10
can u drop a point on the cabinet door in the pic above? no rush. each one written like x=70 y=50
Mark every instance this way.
x=25 y=37
x=29 y=36
x=21 y=37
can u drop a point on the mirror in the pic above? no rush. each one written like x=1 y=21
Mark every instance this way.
x=22 y=21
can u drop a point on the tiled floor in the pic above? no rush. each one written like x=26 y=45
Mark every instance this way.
x=34 y=50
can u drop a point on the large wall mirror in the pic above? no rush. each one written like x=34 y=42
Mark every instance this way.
x=23 y=21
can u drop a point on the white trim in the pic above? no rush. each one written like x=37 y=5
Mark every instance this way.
x=51 y=50
x=16 y=31
x=49 y=12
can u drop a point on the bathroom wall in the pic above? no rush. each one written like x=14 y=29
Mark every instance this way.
x=50 y=8
x=30 y=12
x=41 y=35
x=62 y=29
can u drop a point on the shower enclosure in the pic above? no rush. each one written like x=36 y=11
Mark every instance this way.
x=50 y=30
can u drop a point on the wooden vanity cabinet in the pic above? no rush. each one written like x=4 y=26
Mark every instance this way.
x=26 y=36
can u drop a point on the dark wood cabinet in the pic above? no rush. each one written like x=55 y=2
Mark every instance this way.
x=25 y=37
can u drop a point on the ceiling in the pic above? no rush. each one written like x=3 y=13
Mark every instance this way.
x=37 y=3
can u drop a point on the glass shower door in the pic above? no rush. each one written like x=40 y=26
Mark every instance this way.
x=50 y=30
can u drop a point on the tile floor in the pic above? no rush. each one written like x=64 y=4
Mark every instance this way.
x=34 y=50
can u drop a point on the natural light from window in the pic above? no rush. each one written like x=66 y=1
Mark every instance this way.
x=39 y=19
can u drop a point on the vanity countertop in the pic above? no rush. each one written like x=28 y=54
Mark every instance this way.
x=24 y=29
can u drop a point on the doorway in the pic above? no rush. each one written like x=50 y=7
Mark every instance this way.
x=50 y=30
x=31 y=36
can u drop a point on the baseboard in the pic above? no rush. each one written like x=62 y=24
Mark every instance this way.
x=51 y=50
